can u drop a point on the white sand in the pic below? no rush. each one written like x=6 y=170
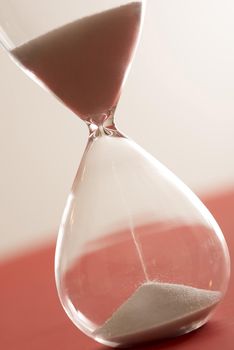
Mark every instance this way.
x=158 y=310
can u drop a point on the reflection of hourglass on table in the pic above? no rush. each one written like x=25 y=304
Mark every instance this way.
x=138 y=255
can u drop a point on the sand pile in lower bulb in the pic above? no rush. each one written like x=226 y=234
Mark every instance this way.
x=158 y=310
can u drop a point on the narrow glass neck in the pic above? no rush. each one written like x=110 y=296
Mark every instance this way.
x=106 y=126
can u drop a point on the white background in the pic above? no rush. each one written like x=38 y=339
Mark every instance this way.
x=178 y=103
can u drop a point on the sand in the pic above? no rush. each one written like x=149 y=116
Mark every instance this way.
x=158 y=310
x=84 y=62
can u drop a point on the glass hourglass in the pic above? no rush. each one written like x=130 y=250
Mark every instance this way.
x=138 y=256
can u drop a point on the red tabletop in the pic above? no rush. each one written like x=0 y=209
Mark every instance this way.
x=31 y=317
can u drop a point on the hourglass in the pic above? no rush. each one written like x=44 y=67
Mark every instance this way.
x=138 y=256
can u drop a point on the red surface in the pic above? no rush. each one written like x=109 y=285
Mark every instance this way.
x=32 y=318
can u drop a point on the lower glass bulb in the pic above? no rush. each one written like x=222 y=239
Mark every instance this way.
x=138 y=256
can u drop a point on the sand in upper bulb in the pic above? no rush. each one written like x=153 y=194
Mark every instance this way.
x=158 y=310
